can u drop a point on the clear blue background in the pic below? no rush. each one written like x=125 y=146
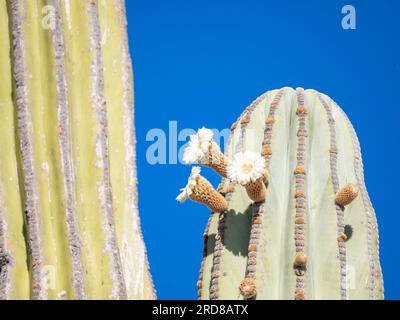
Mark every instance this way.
x=202 y=62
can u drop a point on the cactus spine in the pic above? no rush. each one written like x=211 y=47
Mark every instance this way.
x=69 y=224
x=315 y=234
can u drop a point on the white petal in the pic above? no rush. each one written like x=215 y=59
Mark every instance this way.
x=253 y=159
x=205 y=134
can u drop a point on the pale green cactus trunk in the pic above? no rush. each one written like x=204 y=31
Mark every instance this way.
x=69 y=224
x=295 y=129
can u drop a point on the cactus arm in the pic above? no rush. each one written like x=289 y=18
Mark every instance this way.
x=14 y=276
x=119 y=97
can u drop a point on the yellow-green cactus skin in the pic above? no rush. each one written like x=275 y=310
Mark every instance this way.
x=69 y=224
x=315 y=235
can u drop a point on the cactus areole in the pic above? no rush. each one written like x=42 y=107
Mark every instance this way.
x=69 y=224
x=285 y=233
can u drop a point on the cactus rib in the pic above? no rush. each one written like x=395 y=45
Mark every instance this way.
x=26 y=142
x=98 y=98
x=301 y=203
x=339 y=208
x=66 y=156
x=359 y=173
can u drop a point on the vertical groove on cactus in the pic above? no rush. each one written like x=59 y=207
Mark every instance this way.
x=359 y=174
x=339 y=209
x=301 y=203
x=64 y=125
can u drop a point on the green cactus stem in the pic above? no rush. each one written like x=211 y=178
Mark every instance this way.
x=296 y=243
x=69 y=224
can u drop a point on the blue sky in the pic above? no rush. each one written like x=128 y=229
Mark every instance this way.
x=202 y=62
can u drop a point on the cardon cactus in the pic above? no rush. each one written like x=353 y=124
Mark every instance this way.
x=299 y=223
x=69 y=225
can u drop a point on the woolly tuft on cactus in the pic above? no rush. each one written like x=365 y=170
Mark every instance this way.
x=69 y=225
x=294 y=244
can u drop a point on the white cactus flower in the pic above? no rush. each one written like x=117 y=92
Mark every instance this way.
x=199 y=145
x=246 y=167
